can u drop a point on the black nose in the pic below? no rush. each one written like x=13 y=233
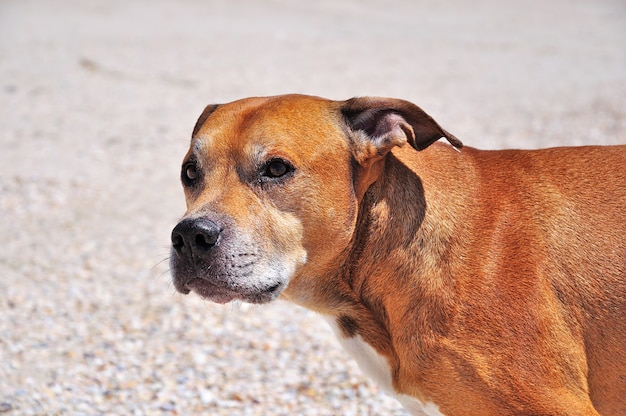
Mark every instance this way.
x=195 y=237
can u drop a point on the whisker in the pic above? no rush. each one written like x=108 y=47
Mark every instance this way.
x=160 y=262
x=164 y=273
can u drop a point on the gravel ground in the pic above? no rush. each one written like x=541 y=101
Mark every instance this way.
x=99 y=99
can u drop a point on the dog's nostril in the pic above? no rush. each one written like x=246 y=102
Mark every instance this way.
x=177 y=241
x=206 y=240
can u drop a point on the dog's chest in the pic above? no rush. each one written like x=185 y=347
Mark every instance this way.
x=376 y=367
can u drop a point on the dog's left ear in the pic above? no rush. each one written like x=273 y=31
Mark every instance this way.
x=380 y=124
x=208 y=110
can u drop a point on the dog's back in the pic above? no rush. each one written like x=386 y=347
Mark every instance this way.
x=561 y=213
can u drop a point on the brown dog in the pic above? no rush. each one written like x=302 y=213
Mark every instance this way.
x=465 y=282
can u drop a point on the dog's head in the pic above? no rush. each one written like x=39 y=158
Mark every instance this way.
x=273 y=185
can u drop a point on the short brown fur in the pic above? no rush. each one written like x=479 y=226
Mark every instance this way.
x=493 y=282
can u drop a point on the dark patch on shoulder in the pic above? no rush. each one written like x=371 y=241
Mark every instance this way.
x=208 y=110
x=348 y=326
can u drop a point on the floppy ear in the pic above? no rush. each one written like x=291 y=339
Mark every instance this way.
x=383 y=123
x=208 y=110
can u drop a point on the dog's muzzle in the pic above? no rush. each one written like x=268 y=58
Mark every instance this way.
x=218 y=265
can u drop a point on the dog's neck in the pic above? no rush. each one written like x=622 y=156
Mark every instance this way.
x=394 y=221
x=363 y=294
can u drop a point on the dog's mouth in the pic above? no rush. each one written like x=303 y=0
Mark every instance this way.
x=210 y=291
x=220 y=294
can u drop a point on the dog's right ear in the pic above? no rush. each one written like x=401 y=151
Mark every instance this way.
x=208 y=110
x=376 y=125
x=379 y=124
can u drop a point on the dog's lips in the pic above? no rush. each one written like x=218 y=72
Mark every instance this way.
x=220 y=294
x=210 y=291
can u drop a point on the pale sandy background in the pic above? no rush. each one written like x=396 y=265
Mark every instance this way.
x=97 y=102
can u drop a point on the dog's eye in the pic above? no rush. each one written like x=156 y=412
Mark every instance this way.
x=190 y=173
x=276 y=168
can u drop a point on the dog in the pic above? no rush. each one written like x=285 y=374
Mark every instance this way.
x=463 y=281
